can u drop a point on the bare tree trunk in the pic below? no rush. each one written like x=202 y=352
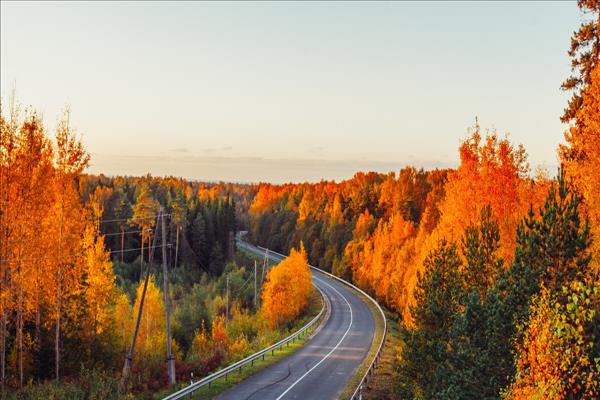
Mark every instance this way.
x=177 y=245
x=59 y=283
x=3 y=266
x=38 y=311
x=20 y=338
x=3 y=327
x=19 y=324
x=3 y=346
x=57 y=332
x=4 y=289
x=38 y=321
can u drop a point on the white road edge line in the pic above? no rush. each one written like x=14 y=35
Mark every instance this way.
x=332 y=350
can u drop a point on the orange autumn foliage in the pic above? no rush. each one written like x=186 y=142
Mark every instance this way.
x=287 y=289
x=581 y=157
x=491 y=172
x=380 y=266
x=55 y=274
x=377 y=228
x=218 y=331
x=266 y=197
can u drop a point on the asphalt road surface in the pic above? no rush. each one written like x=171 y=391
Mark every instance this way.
x=324 y=365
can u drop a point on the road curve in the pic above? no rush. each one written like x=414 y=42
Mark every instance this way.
x=323 y=366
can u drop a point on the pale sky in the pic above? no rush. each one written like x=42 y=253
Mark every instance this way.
x=289 y=91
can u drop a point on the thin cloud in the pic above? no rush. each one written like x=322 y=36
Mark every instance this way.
x=247 y=169
x=211 y=150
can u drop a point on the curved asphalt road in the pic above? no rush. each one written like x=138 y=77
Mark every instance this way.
x=325 y=364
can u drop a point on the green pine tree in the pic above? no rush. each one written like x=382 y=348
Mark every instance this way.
x=425 y=346
x=480 y=245
x=552 y=252
x=552 y=249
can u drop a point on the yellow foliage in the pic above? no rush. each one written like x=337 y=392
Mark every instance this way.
x=151 y=342
x=238 y=348
x=124 y=320
x=287 y=289
x=100 y=281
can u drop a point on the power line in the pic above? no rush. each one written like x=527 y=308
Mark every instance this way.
x=127 y=232
x=42 y=258
x=128 y=219
x=238 y=290
x=140 y=248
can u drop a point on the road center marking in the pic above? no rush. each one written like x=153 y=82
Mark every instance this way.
x=332 y=350
x=338 y=343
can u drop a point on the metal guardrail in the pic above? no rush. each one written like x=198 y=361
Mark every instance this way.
x=357 y=395
x=250 y=359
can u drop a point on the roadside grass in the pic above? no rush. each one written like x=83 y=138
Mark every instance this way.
x=355 y=380
x=222 y=384
x=382 y=385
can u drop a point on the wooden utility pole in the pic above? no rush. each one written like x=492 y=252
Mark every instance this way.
x=142 y=255
x=227 y=301
x=231 y=246
x=129 y=357
x=170 y=358
x=255 y=300
x=262 y=278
